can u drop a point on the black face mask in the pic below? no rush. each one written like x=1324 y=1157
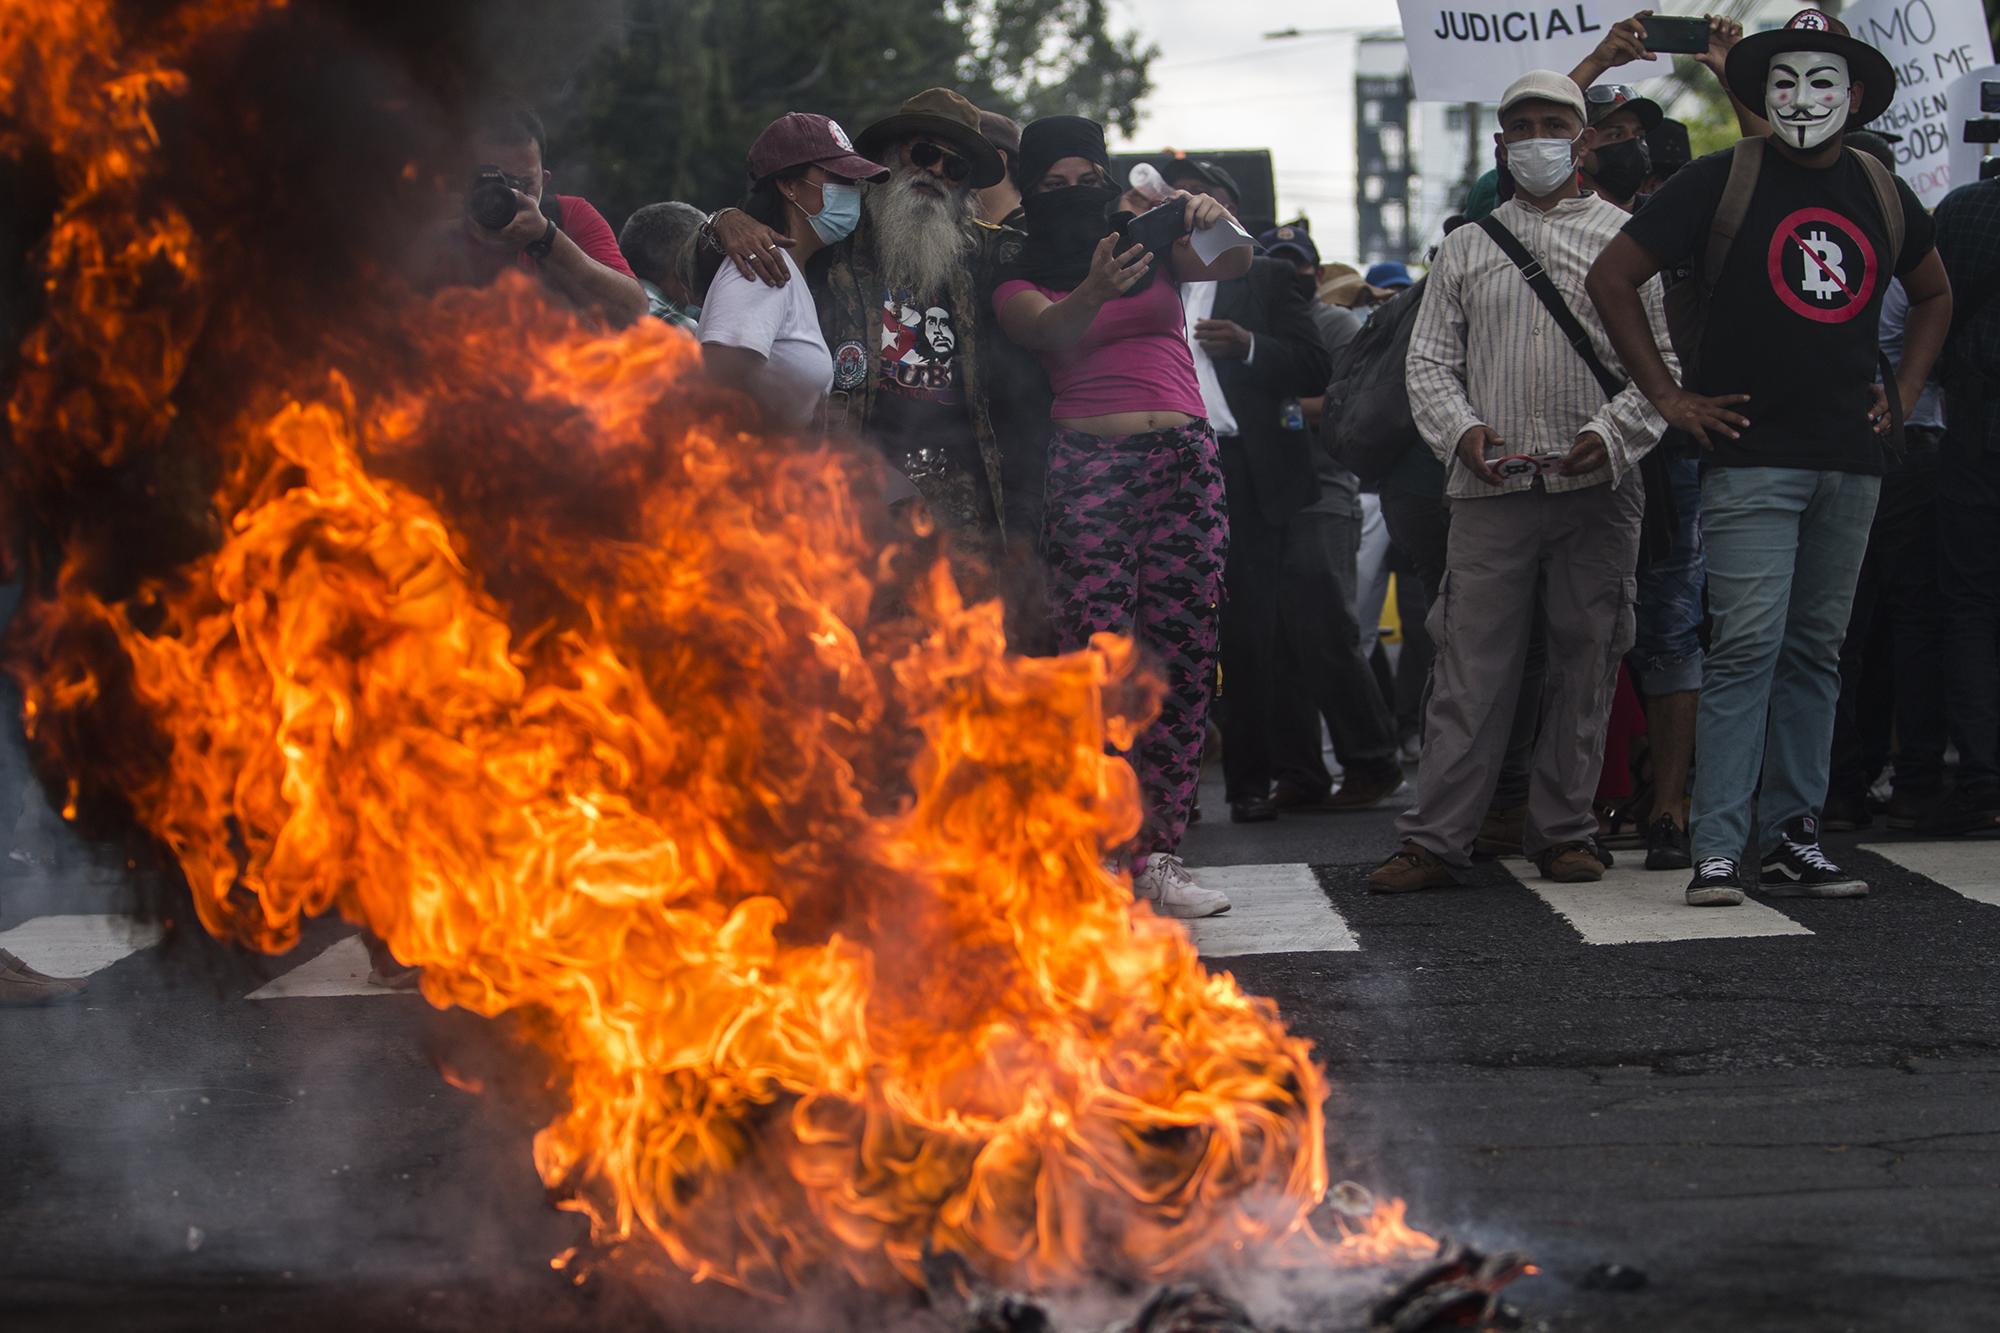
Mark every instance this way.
x=1064 y=227
x=1308 y=285
x=1622 y=168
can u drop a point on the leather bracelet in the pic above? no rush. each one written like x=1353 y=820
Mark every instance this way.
x=539 y=250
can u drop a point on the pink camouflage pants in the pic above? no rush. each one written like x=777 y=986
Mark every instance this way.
x=1134 y=537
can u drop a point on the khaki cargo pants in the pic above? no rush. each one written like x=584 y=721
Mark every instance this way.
x=1572 y=555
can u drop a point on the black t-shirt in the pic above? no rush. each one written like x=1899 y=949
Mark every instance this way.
x=1796 y=308
x=919 y=414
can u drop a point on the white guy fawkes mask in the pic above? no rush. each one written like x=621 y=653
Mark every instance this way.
x=1806 y=95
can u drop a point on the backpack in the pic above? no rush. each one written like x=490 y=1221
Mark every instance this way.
x=1367 y=420
x=1687 y=302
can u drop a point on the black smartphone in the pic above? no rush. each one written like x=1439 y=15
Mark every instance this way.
x=1676 y=34
x=1157 y=229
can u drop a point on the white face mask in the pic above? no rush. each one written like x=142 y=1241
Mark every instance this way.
x=1806 y=96
x=1540 y=166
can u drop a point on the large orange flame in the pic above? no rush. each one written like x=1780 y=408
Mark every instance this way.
x=793 y=870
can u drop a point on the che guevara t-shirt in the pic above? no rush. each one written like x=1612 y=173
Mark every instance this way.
x=1794 y=319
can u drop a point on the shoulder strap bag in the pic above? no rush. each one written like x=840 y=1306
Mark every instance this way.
x=1656 y=538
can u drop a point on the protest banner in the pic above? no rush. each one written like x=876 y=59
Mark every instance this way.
x=1466 y=54
x=1932 y=44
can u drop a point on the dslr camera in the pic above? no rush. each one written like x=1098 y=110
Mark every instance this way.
x=490 y=201
x=1985 y=129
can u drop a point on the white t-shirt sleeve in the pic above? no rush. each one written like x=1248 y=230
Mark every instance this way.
x=742 y=312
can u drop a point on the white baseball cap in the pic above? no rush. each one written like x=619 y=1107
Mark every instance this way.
x=1545 y=85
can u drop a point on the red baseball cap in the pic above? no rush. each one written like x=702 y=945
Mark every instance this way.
x=800 y=138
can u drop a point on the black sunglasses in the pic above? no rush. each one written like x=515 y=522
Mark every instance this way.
x=956 y=168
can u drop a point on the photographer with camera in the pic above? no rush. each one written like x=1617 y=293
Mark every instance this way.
x=511 y=219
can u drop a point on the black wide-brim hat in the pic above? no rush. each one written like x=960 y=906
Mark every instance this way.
x=1811 y=30
x=941 y=114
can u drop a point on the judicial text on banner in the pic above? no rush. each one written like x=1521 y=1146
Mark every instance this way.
x=1933 y=44
x=1461 y=52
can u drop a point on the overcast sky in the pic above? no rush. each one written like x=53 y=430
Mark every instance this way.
x=1219 y=84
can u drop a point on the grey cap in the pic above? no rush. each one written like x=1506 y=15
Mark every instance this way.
x=1545 y=85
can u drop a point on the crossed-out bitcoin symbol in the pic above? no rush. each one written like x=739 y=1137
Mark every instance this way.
x=1822 y=266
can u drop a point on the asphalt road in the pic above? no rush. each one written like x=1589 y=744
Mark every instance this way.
x=1797 y=1128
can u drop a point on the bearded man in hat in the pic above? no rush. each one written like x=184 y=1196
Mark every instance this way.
x=920 y=369
x=1794 y=238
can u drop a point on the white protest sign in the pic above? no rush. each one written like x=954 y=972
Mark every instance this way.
x=1932 y=44
x=1964 y=98
x=1466 y=53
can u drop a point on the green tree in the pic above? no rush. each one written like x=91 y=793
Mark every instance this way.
x=668 y=106
x=1703 y=108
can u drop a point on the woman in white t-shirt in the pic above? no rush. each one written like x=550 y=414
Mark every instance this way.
x=766 y=340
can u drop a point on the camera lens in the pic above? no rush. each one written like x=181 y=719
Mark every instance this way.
x=490 y=202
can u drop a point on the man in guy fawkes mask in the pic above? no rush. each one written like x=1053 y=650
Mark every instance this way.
x=1782 y=397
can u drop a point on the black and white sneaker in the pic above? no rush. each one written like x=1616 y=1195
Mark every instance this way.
x=1714 y=884
x=1797 y=868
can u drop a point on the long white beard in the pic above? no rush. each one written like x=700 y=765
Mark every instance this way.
x=921 y=238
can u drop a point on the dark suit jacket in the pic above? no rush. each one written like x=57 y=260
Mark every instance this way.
x=1290 y=362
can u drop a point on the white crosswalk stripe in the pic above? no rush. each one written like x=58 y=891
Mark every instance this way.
x=1273 y=909
x=1632 y=905
x=341 y=969
x=1968 y=867
x=76 y=946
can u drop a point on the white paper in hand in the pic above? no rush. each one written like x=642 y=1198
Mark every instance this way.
x=1212 y=242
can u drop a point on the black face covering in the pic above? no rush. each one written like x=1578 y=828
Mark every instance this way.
x=1622 y=168
x=1064 y=227
x=1308 y=285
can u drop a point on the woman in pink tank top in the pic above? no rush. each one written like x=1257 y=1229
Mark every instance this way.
x=1134 y=531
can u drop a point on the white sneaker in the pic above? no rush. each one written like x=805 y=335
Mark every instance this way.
x=1166 y=884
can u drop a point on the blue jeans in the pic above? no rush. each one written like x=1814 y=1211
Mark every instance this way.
x=1784 y=548
x=1667 y=657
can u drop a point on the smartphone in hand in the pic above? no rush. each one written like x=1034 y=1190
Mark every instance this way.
x=1676 y=34
x=1157 y=228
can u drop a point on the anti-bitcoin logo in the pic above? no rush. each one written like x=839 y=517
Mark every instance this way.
x=1822 y=266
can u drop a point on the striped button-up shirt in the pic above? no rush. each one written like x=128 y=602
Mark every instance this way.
x=1486 y=352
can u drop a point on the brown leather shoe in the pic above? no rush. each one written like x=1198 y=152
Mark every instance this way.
x=23 y=985
x=1571 y=863
x=1500 y=833
x=1365 y=789
x=1409 y=870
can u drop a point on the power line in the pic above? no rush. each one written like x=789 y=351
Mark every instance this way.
x=1254 y=53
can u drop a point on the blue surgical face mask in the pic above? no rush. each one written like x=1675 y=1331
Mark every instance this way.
x=839 y=212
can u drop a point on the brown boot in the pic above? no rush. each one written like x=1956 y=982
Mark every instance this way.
x=23 y=985
x=1409 y=870
x=1500 y=833
x=1571 y=863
